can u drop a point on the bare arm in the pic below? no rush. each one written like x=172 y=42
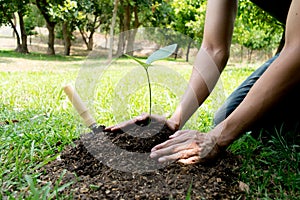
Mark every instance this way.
x=188 y=146
x=281 y=76
x=211 y=59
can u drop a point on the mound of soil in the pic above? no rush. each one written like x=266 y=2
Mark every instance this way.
x=105 y=165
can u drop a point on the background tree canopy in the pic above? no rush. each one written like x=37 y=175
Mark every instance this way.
x=254 y=29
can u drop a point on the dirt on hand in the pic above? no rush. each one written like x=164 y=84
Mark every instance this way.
x=107 y=165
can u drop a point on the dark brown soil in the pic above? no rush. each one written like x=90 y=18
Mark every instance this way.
x=106 y=165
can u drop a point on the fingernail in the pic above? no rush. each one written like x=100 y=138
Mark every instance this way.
x=152 y=155
x=161 y=160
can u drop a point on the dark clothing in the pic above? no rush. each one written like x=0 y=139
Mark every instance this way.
x=240 y=93
x=285 y=117
x=277 y=8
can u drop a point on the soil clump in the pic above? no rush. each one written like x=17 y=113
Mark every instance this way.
x=105 y=165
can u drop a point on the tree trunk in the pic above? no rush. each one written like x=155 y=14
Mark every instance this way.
x=91 y=42
x=242 y=53
x=13 y=26
x=130 y=41
x=42 y=6
x=132 y=33
x=112 y=27
x=15 y=23
x=121 y=41
x=127 y=19
x=67 y=38
x=188 y=51
x=176 y=52
x=84 y=37
x=105 y=36
x=24 y=48
x=88 y=39
x=51 y=38
x=250 y=51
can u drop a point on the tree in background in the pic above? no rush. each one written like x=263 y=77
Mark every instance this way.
x=132 y=14
x=69 y=16
x=32 y=20
x=112 y=27
x=8 y=8
x=96 y=13
x=189 y=20
x=184 y=21
x=256 y=29
x=45 y=8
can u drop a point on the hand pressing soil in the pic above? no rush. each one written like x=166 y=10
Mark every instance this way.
x=107 y=165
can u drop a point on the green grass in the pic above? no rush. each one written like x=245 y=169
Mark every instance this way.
x=39 y=56
x=48 y=122
x=270 y=168
x=36 y=100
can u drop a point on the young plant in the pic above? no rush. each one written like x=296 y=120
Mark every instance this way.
x=157 y=55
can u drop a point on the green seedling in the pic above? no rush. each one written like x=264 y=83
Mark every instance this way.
x=157 y=55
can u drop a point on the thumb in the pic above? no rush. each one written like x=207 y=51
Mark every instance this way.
x=178 y=133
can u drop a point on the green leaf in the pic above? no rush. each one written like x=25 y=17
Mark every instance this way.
x=145 y=65
x=188 y=196
x=60 y=189
x=32 y=187
x=161 y=53
x=94 y=187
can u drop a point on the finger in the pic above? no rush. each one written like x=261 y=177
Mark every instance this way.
x=142 y=117
x=190 y=160
x=127 y=124
x=159 y=146
x=183 y=149
x=121 y=126
x=173 y=141
x=166 y=150
x=108 y=128
x=185 y=154
x=178 y=133
x=161 y=150
x=158 y=118
x=166 y=144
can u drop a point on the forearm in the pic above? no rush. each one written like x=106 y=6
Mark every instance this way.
x=279 y=79
x=272 y=86
x=211 y=58
x=205 y=74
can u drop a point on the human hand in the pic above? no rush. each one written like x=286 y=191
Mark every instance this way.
x=187 y=147
x=144 y=120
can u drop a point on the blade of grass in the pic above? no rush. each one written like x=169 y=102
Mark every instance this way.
x=188 y=195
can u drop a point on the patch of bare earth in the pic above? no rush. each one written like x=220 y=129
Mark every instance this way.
x=92 y=161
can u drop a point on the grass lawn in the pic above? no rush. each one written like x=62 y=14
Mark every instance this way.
x=37 y=120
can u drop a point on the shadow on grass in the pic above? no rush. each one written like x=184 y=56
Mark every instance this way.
x=4 y=61
x=39 y=56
